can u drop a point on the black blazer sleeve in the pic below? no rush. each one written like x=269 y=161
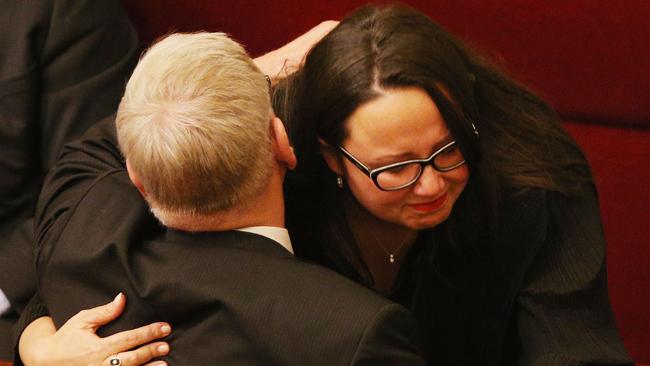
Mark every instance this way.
x=81 y=165
x=563 y=315
x=33 y=310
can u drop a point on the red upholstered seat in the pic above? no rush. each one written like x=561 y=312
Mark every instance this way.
x=588 y=58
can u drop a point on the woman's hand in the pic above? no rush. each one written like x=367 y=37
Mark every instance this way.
x=76 y=343
x=280 y=63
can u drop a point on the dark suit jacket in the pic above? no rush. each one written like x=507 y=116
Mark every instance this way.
x=63 y=67
x=231 y=297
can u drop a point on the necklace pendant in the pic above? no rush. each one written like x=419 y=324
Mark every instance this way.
x=391 y=258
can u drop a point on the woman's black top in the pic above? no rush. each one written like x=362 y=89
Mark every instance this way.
x=534 y=293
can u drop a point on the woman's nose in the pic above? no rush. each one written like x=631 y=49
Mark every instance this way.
x=430 y=183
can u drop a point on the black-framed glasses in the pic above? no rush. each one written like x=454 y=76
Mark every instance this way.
x=400 y=175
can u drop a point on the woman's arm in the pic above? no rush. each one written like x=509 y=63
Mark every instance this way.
x=76 y=343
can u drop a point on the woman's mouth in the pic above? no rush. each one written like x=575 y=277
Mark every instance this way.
x=430 y=206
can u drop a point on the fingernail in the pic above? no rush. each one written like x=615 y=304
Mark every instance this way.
x=166 y=329
x=163 y=349
x=118 y=297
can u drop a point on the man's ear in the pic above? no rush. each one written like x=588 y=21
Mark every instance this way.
x=331 y=158
x=281 y=147
x=135 y=180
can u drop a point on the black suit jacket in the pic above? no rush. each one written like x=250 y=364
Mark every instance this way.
x=231 y=297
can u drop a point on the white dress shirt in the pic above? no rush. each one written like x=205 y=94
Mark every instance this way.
x=278 y=234
x=4 y=303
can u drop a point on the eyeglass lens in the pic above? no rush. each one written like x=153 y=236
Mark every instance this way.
x=406 y=174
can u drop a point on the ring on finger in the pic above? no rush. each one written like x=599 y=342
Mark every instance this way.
x=114 y=360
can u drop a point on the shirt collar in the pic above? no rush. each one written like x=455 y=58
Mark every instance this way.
x=277 y=234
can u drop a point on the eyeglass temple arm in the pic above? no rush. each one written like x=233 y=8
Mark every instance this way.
x=354 y=161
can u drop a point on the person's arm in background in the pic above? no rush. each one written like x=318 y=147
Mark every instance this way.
x=63 y=67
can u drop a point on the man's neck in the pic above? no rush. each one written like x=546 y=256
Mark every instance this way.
x=264 y=209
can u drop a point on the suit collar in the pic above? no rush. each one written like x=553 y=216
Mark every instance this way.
x=228 y=239
x=277 y=234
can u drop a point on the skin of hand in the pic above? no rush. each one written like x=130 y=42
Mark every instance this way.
x=76 y=343
x=280 y=63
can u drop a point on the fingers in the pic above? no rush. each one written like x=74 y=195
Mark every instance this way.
x=141 y=355
x=315 y=34
x=135 y=337
x=285 y=60
x=323 y=29
x=100 y=315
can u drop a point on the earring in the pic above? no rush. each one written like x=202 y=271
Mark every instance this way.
x=339 y=181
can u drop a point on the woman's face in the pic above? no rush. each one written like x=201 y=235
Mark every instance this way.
x=399 y=125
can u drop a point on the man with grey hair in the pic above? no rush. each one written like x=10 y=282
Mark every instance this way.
x=202 y=146
x=198 y=133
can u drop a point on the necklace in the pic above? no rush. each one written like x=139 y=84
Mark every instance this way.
x=391 y=255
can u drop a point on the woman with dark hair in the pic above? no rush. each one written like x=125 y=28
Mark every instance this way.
x=426 y=174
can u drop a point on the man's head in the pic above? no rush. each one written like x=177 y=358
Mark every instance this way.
x=196 y=127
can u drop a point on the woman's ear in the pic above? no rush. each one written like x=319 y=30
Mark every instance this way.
x=331 y=158
x=281 y=147
x=135 y=179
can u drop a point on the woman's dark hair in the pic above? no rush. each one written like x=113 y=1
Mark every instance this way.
x=521 y=144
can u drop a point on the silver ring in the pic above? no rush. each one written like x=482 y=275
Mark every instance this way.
x=114 y=360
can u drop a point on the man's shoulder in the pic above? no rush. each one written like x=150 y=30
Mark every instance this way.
x=306 y=276
x=252 y=270
x=324 y=318
x=264 y=264
x=321 y=277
